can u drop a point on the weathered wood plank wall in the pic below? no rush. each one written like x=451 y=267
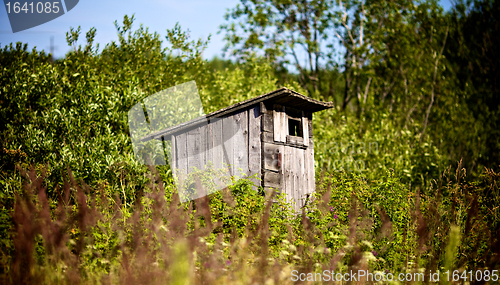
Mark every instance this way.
x=288 y=160
x=253 y=141
x=232 y=142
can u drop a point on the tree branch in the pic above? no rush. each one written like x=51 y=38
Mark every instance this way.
x=432 y=88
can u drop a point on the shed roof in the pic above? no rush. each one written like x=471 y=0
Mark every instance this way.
x=282 y=96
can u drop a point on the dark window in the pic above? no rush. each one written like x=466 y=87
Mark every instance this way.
x=294 y=127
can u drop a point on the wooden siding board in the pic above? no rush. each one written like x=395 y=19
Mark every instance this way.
x=222 y=176
x=287 y=174
x=294 y=175
x=228 y=132
x=267 y=123
x=182 y=163
x=173 y=159
x=271 y=179
x=193 y=149
x=276 y=124
x=279 y=123
x=254 y=142
x=267 y=137
x=271 y=156
x=240 y=144
x=309 y=124
x=310 y=168
x=301 y=175
x=293 y=169
x=182 y=152
x=305 y=129
x=210 y=147
x=203 y=151
x=284 y=125
x=306 y=170
x=296 y=182
x=296 y=141
x=217 y=150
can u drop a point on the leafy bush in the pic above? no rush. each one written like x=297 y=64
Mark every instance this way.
x=241 y=235
x=86 y=211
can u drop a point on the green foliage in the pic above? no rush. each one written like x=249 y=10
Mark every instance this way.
x=349 y=224
x=282 y=31
x=229 y=86
x=407 y=60
x=345 y=198
x=474 y=66
x=373 y=146
x=408 y=105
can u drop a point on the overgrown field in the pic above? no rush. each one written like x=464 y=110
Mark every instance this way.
x=407 y=170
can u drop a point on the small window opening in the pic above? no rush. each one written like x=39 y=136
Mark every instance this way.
x=294 y=127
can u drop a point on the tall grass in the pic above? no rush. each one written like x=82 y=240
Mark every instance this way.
x=87 y=236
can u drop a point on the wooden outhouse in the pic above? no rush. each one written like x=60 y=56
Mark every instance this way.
x=270 y=135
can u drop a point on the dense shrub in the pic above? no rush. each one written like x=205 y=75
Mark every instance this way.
x=77 y=207
x=240 y=235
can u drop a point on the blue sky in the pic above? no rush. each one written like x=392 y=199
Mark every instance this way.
x=201 y=17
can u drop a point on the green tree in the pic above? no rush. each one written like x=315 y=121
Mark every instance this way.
x=475 y=65
x=290 y=34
